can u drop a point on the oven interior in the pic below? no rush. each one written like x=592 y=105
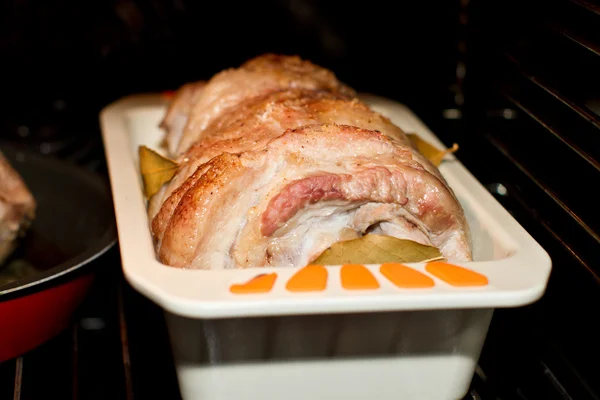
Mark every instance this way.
x=513 y=82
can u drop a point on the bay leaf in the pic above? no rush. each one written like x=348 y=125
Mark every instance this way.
x=429 y=151
x=377 y=249
x=156 y=170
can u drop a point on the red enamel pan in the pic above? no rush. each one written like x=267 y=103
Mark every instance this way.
x=47 y=277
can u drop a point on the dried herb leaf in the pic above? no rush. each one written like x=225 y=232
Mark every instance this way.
x=429 y=151
x=377 y=249
x=156 y=170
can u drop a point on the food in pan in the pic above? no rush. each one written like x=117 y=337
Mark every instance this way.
x=17 y=208
x=275 y=162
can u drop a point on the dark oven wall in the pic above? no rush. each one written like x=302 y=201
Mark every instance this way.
x=66 y=59
x=532 y=97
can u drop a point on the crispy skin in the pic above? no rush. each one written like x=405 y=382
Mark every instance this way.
x=182 y=234
x=259 y=76
x=278 y=160
x=177 y=113
x=251 y=125
x=233 y=215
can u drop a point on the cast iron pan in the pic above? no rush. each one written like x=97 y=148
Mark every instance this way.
x=44 y=281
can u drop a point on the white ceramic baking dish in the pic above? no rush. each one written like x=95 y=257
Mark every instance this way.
x=386 y=342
